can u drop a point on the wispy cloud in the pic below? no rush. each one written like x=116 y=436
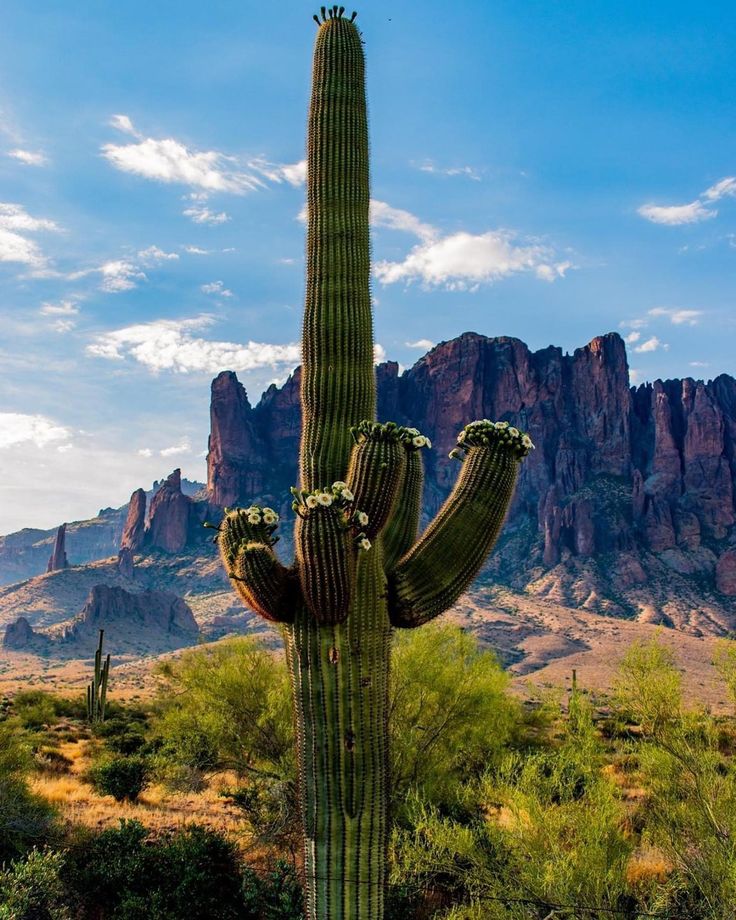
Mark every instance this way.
x=677 y=316
x=63 y=308
x=383 y=215
x=696 y=211
x=28 y=157
x=217 y=288
x=201 y=214
x=15 y=246
x=699 y=364
x=429 y=167
x=651 y=344
x=171 y=345
x=153 y=255
x=424 y=344
x=169 y=160
x=632 y=337
x=176 y=449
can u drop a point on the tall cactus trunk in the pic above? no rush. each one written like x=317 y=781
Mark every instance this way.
x=340 y=672
x=340 y=682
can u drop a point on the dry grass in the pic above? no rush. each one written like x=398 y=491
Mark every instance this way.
x=157 y=807
x=646 y=866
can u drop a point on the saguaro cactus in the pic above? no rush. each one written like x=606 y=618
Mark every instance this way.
x=97 y=688
x=359 y=568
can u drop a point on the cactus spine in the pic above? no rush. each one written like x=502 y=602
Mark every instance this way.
x=359 y=569
x=97 y=688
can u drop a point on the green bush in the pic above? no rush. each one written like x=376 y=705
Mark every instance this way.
x=275 y=895
x=25 y=819
x=122 y=777
x=38 y=708
x=32 y=889
x=124 y=874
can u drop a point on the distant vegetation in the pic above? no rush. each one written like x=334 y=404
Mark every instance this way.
x=500 y=809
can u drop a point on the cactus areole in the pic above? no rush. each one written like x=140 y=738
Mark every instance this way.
x=360 y=570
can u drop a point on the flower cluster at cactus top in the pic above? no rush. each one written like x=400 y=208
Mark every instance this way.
x=257 y=515
x=340 y=497
x=389 y=431
x=485 y=432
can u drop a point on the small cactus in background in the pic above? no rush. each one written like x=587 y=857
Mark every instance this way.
x=97 y=688
x=360 y=570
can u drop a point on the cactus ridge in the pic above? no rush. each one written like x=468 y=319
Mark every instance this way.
x=360 y=567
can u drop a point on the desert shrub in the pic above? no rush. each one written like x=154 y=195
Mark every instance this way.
x=32 y=889
x=25 y=819
x=450 y=714
x=38 y=708
x=691 y=788
x=274 y=895
x=119 y=776
x=125 y=874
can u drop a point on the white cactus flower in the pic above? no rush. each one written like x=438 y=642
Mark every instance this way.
x=325 y=499
x=362 y=518
x=311 y=501
x=365 y=543
x=427 y=442
x=502 y=425
x=419 y=441
x=339 y=486
x=527 y=442
x=347 y=494
x=514 y=432
x=269 y=516
x=254 y=517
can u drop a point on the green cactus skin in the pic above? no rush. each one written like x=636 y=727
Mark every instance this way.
x=355 y=578
x=97 y=688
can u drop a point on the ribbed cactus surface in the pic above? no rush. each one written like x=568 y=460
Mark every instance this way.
x=360 y=569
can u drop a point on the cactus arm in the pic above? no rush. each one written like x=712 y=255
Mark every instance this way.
x=401 y=531
x=443 y=563
x=376 y=471
x=245 y=540
x=103 y=687
x=338 y=386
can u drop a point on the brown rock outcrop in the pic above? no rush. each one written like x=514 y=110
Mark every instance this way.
x=148 y=617
x=169 y=517
x=58 y=558
x=18 y=634
x=135 y=522
x=726 y=573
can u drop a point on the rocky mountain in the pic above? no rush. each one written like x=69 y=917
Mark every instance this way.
x=626 y=507
x=30 y=551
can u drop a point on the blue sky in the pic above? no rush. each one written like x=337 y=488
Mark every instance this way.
x=550 y=171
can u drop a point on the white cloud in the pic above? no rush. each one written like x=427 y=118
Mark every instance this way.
x=699 y=364
x=677 y=214
x=424 y=344
x=379 y=354
x=678 y=317
x=694 y=212
x=120 y=275
x=632 y=337
x=169 y=345
x=200 y=214
x=721 y=189
x=15 y=221
x=184 y=448
x=383 y=215
x=145 y=452
x=217 y=288
x=632 y=323
x=168 y=160
x=17 y=428
x=153 y=255
x=63 y=308
x=463 y=260
x=196 y=251
x=651 y=344
x=28 y=157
